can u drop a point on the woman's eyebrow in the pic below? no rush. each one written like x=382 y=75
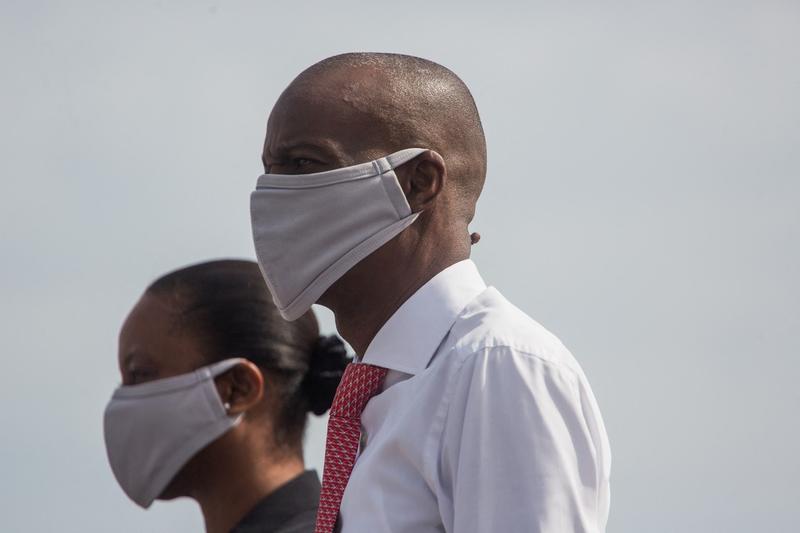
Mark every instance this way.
x=134 y=357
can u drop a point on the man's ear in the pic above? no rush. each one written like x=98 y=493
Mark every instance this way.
x=241 y=387
x=423 y=179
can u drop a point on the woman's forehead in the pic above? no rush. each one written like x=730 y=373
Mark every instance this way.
x=149 y=336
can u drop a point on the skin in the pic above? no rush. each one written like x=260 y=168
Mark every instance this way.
x=233 y=473
x=328 y=122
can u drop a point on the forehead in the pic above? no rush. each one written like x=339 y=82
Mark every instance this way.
x=151 y=335
x=346 y=113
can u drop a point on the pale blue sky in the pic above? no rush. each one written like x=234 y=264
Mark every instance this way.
x=641 y=202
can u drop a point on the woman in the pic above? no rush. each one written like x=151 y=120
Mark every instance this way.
x=215 y=391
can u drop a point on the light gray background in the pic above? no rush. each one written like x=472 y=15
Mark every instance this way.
x=641 y=202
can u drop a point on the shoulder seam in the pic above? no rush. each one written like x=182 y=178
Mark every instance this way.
x=527 y=353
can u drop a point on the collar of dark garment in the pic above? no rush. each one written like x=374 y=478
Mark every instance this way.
x=287 y=508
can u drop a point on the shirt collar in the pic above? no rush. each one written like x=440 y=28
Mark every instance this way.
x=409 y=339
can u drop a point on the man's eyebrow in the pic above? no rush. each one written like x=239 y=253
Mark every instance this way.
x=327 y=148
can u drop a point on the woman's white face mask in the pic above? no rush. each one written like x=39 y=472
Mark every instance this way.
x=310 y=229
x=153 y=429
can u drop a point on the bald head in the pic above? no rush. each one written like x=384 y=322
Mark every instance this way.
x=361 y=106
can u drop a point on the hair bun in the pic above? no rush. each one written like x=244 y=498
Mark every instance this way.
x=325 y=370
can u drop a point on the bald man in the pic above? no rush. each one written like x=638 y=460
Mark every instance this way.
x=461 y=413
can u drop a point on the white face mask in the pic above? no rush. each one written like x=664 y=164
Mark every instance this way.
x=310 y=229
x=153 y=429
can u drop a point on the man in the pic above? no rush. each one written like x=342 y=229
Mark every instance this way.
x=479 y=419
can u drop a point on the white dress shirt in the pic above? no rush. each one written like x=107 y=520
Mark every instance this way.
x=485 y=424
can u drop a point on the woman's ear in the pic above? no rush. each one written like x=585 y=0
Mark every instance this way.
x=423 y=179
x=241 y=387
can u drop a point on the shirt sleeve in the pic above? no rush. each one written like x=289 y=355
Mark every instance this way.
x=517 y=453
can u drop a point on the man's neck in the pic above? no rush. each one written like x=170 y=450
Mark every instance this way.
x=359 y=319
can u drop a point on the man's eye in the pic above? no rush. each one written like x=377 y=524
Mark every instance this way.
x=295 y=165
x=301 y=162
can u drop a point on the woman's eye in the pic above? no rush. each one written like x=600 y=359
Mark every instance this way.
x=138 y=375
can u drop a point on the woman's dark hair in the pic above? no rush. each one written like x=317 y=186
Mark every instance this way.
x=227 y=304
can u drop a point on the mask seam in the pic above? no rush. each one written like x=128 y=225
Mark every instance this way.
x=191 y=379
x=211 y=395
x=311 y=181
x=387 y=183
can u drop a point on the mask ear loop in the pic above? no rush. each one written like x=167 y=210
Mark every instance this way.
x=220 y=368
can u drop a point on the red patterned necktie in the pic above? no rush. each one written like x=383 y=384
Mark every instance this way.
x=360 y=382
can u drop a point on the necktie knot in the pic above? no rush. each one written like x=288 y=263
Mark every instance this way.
x=360 y=382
